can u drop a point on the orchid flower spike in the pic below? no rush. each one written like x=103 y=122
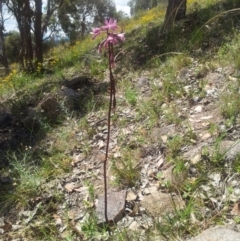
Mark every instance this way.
x=112 y=38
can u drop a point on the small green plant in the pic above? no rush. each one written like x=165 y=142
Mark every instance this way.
x=216 y=156
x=237 y=220
x=26 y=177
x=126 y=171
x=131 y=96
x=178 y=223
x=213 y=129
x=230 y=102
x=90 y=228
x=174 y=144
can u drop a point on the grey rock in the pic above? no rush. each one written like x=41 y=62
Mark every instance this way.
x=228 y=70
x=216 y=78
x=159 y=203
x=115 y=207
x=78 y=82
x=183 y=73
x=142 y=82
x=48 y=107
x=70 y=96
x=217 y=234
x=233 y=151
x=70 y=93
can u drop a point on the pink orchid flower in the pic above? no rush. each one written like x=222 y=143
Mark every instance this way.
x=110 y=24
x=95 y=32
x=111 y=39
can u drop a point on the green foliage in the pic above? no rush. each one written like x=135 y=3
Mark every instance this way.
x=178 y=223
x=29 y=173
x=76 y=17
x=131 y=96
x=126 y=170
x=230 y=102
x=141 y=5
x=12 y=46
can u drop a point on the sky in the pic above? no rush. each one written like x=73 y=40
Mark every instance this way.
x=10 y=24
x=122 y=5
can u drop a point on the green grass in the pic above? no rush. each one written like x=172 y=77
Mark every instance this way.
x=30 y=173
x=126 y=169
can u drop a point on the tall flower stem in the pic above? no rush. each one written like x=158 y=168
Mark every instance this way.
x=111 y=39
x=112 y=103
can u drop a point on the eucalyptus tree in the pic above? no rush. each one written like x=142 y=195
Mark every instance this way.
x=138 y=5
x=77 y=17
x=176 y=10
x=32 y=23
x=3 y=56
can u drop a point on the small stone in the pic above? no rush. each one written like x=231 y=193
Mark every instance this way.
x=195 y=159
x=142 y=82
x=16 y=227
x=133 y=226
x=183 y=73
x=115 y=207
x=198 y=109
x=146 y=191
x=131 y=196
x=2 y=223
x=237 y=192
x=164 y=139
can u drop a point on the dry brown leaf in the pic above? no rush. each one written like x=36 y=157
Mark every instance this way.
x=77 y=158
x=164 y=139
x=101 y=144
x=205 y=136
x=236 y=209
x=69 y=186
x=57 y=219
x=83 y=190
x=160 y=161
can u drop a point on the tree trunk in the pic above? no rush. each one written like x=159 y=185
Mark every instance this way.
x=3 y=56
x=176 y=10
x=38 y=48
x=27 y=38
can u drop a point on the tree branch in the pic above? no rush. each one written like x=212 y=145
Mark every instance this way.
x=49 y=14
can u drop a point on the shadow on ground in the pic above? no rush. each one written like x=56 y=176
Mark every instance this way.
x=19 y=129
